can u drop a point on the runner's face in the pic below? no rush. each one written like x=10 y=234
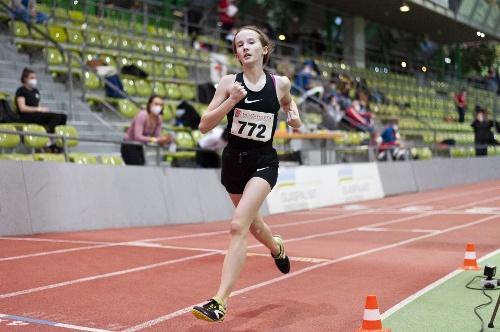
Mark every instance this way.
x=248 y=47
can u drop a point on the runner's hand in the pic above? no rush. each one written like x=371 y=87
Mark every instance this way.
x=238 y=92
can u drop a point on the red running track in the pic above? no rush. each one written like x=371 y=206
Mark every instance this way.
x=148 y=279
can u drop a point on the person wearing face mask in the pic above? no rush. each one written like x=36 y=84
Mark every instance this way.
x=482 y=133
x=145 y=128
x=30 y=109
x=361 y=122
x=390 y=133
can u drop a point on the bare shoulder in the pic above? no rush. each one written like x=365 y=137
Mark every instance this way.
x=282 y=86
x=227 y=81
x=282 y=82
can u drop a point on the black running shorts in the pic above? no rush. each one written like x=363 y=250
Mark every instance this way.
x=239 y=166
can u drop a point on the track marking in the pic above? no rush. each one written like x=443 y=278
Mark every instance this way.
x=307 y=269
x=424 y=290
x=46 y=322
x=373 y=229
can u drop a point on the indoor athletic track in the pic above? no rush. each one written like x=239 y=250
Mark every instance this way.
x=148 y=279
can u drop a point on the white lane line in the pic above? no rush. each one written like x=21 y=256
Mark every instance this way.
x=307 y=269
x=55 y=252
x=106 y=275
x=430 y=287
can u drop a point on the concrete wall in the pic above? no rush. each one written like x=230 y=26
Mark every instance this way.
x=38 y=197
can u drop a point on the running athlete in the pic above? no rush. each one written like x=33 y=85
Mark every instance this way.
x=251 y=101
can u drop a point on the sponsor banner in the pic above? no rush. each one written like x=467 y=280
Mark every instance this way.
x=304 y=188
x=218 y=67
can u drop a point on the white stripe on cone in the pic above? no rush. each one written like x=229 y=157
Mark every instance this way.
x=371 y=314
x=470 y=255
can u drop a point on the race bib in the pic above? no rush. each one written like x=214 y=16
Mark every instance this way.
x=252 y=124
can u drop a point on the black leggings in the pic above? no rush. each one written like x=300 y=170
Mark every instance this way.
x=49 y=119
x=133 y=154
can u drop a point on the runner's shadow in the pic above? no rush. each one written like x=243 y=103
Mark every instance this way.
x=258 y=311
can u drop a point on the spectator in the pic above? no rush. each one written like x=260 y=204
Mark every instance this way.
x=145 y=127
x=332 y=91
x=30 y=109
x=303 y=80
x=382 y=149
x=214 y=141
x=461 y=104
x=332 y=114
x=26 y=10
x=361 y=122
x=227 y=12
x=482 y=133
x=492 y=79
x=390 y=133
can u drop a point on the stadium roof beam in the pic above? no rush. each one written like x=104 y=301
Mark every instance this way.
x=433 y=19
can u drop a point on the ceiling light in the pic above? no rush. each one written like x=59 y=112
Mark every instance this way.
x=404 y=7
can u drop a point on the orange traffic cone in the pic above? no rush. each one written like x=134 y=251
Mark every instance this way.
x=470 y=259
x=371 y=317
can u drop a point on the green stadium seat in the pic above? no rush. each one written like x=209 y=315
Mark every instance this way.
x=33 y=141
x=173 y=91
x=66 y=131
x=188 y=92
x=84 y=159
x=92 y=81
x=16 y=156
x=143 y=88
x=168 y=112
x=49 y=157
x=159 y=89
x=19 y=29
x=112 y=160
x=57 y=34
x=75 y=36
x=8 y=141
x=181 y=71
x=129 y=86
x=127 y=108
x=54 y=57
x=169 y=70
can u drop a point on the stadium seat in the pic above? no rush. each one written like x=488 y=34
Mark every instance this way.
x=76 y=17
x=188 y=92
x=159 y=89
x=112 y=160
x=143 y=88
x=84 y=159
x=184 y=139
x=75 y=36
x=173 y=91
x=49 y=157
x=92 y=81
x=8 y=141
x=169 y=70
x=181 y=71
x=54 y=57
x=168 y=113
x=19 y=29
x=94 y=39
x=129 y=86
x=127 y=108
x=66 y=131
x=16 y=156
x=33 y=141
x=57 y=34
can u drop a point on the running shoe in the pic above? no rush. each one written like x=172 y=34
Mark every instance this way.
x=281 y=259
x=212 y=311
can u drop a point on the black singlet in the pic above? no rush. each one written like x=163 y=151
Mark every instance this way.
x=252 y=122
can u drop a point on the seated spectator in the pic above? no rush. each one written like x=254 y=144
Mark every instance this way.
x=213 y=142
x=145 y=127
x=26 y=10
x=390 y=133
x=394 y=149
x=30 y=109
x=303 y=80
x=332 y=91
x=492 y=79
x=361 y=122
x=332 y=114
